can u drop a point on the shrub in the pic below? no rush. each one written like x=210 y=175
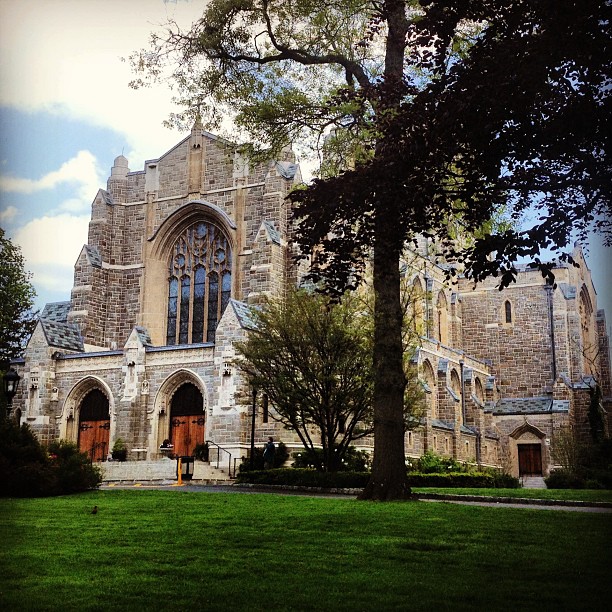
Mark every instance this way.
x=431 y=463
x=298 y=477
x=353 y=460
x=27 y=470
x=564 y=479
x=201 y=451
x=74 y=472
x=280 y=456
x=452 y=480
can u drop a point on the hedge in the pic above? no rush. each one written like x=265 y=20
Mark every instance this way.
x=357 y=480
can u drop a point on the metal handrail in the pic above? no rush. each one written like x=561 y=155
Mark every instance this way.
x=229 y=471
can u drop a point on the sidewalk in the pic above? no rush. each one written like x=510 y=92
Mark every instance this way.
x=474 y=500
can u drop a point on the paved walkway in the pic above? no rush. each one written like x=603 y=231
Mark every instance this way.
x=493 y=502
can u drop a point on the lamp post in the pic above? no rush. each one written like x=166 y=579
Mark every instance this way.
x=11 y=382
x=253 y=412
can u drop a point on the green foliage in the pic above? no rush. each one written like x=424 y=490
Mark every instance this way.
x=74 y=471
x=353 y=461
x=564 y=479
x=17 y=321
x=28 y=470
x=119 y=450
x=201 y=451
x=280 y=456
x=294 y=477
x=432 y=463
x=312 y=358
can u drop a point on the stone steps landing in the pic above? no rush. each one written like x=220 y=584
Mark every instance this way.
x=162 y=470
x=533 y=482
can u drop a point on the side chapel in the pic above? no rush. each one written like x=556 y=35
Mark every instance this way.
x=178 y=252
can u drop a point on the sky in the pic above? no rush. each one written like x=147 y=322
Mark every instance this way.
x=66 y=112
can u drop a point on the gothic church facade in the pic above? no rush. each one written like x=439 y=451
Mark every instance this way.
x=179 y=251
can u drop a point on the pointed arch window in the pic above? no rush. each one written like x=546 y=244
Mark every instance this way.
x=507 y=311
x=199 y=284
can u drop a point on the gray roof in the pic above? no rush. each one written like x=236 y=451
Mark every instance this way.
x=272 y=232
x=530 y=405
x=442 y=424
x=568 y=291
x=56 y=311
x=93 y=255
x=143 y=336
x=286 y=169
x=62 y=335
x=244 y=313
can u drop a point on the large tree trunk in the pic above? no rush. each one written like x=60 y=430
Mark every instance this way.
x=389 y=479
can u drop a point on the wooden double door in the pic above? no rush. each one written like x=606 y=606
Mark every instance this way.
x=187 y=420
x=94 y=426
x=530 y=459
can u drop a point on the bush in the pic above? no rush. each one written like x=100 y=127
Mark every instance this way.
x=201 y=451
x=431 y=463
x=74 y=472
x=353 y=461
x=280 y=456
x=298 y=477
x=453 y=480
x=564 y=479
x=27 y=470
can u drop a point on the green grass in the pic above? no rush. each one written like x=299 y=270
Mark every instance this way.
x=149 y=550
x=588 y=495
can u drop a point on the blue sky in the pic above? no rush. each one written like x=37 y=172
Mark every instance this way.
x=66 y=112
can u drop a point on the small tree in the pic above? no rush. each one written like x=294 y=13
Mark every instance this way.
x=312 y=359
x=17 y=295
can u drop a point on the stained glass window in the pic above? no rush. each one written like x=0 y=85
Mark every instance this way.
x=199 y=284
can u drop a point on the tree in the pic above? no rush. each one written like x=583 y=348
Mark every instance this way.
x=312 y=359
x=17 y=295
x=401 y=83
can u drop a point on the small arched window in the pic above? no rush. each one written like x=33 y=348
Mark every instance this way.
x=199 y=284
x=507 y=312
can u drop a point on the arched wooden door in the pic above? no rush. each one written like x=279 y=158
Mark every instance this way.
x=187 y=420
x=94 y=425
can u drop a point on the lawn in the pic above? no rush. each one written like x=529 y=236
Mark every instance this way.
x=149 y=550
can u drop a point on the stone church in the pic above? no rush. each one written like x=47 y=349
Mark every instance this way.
x=178 y=251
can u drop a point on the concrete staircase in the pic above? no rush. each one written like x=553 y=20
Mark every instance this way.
x=161 y=471
x=533 y=482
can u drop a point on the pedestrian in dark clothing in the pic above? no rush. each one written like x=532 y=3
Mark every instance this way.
x=268 y=454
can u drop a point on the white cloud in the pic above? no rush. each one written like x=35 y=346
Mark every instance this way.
x=81 y=170
x=64 y=57
x=8 y=214
x=50 y=246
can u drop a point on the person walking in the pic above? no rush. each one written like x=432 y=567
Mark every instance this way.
x=268 y=454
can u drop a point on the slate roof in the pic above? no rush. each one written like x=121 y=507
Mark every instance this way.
x=62 y=335
x=95 y=259
x=442 y=424
x=143 y=336
x=272 y=232
x=530 y=405
x=244 y=313
x=56 y=311
x=286 y=169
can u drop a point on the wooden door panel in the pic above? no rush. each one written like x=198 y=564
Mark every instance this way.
x=94 y=438
x=187 y=432
x=530 y=459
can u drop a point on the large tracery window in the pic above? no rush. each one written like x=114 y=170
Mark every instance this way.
x=199 y=284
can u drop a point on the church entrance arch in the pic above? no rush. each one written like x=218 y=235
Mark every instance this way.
x=94 y=425
x=187 y=419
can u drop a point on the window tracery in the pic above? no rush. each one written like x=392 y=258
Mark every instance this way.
x=199 y=284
